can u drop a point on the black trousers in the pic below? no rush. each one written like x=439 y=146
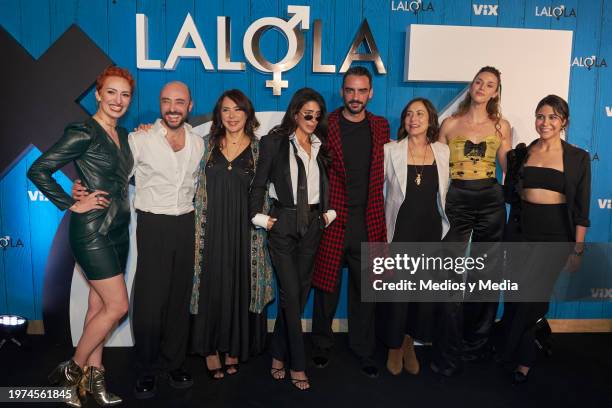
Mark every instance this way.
x=361 y=330
x=540 y=223
x=162 y=290
x=293 y=260
x=475 y=209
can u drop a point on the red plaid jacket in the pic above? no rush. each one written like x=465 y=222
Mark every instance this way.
x=331 y=249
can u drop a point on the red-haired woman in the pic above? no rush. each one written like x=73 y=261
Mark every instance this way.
x=476 y=135
x=99 y=222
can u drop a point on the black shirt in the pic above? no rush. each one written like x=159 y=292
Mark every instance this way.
x=357 y=150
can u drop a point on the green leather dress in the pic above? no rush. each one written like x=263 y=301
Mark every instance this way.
x=99 y=238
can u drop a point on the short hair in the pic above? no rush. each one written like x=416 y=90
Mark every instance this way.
x=113 y=71
x=358 y=71
x=558 y=105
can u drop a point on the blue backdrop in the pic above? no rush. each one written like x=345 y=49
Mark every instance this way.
x=30 y=222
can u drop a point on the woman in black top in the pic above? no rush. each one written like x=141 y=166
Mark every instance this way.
x=416 y=179
x=99 y=222
x=292 y=167
x=549 y=187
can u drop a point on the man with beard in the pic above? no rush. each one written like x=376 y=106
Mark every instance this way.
x=356 y=138
x=166 y=163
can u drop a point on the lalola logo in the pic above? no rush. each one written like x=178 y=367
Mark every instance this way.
x=7 y=242
x=414 y=6
x=36 y=196
x=555 y=12
x=589 y=62
x=293 y=32
x=485 y=9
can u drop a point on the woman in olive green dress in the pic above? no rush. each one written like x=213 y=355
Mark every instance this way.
x=99 y=235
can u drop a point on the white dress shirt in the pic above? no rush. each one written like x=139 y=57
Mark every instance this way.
x=312 y=178
x=165 y=179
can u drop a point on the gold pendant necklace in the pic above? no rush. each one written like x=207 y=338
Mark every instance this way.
x=419 y=176
x=229 y=162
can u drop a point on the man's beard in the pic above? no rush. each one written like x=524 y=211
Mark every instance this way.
x=347 y=105
x=183 y=120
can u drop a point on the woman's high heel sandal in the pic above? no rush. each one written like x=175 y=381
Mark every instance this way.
x=68 y=374
x=94 y=384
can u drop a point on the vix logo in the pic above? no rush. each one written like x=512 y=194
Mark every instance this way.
x=601 y=293
x=609 y=111
x=485 y=9
x=36 y=196
x=605 y=203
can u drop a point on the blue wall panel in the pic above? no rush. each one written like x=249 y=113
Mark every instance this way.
x=111 y=24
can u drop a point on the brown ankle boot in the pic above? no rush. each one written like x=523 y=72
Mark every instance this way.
x=394 y=361
x=411 y=364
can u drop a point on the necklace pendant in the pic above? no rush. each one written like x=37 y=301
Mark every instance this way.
x=417 y=180
x=229 y=167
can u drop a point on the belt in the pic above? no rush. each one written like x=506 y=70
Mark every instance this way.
x=279 y=205
x=477 y=184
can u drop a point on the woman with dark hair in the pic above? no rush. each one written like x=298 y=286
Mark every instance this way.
x=233 y=274
x=476 y=135
x=291 y=167
x=99 y=234
x=416 y=177
x=549 y=187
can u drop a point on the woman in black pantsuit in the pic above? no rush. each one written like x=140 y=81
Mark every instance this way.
x=292 y=167
x=548 y=185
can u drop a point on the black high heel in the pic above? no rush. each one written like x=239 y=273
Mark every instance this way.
x=519 y=378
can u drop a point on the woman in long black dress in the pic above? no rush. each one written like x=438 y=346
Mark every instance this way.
x=549 y=187
x=233 y=274
x=99 y=235
x=416 y=177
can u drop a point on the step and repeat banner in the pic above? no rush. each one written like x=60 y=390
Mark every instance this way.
x=52 y=51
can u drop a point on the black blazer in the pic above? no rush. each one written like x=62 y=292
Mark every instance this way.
x=577 y=171
x=273 y=167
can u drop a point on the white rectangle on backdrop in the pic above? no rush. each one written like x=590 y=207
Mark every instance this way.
x=533 y=62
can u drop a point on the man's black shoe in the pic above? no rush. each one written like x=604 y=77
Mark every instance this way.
x=146 y=387
x=448 y=370
x=180 y=379
x=320 y=361
x=369 y=369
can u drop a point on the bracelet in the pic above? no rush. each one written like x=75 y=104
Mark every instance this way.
x=578 y=253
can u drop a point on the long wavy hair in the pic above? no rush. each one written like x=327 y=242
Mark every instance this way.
x=217 y=130
x=493 y=105
x=433 y=124
x=288 y=125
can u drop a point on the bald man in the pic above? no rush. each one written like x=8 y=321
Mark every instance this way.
x=166 y=163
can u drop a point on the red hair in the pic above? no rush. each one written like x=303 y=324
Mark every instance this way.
x=113 y=71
